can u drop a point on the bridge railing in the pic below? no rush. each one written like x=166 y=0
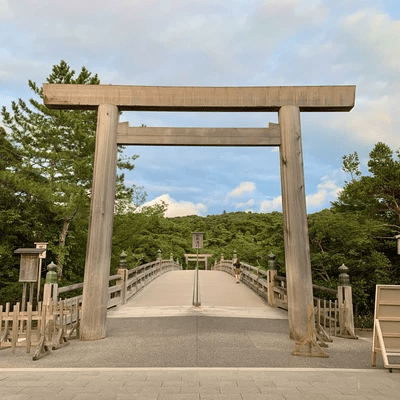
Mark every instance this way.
x=332 y=317
x=131 y=281
x=55 y=321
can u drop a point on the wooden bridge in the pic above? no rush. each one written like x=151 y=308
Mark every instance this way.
x=261 y=294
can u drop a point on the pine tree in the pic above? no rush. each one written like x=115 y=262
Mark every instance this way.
x=56 y=154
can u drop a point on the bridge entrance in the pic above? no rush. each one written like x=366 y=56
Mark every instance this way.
x=109 y=100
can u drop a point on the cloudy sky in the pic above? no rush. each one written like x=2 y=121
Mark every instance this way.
x=222 y=43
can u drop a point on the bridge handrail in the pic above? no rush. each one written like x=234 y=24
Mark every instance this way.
x=330 y=315
x=126 y=285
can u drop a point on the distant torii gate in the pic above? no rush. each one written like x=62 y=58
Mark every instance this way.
x=109 y=100
x=199 y=257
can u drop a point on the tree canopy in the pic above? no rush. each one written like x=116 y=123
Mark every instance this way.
x=46 y=174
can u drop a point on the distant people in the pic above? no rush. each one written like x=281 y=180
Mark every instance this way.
x=237 y=270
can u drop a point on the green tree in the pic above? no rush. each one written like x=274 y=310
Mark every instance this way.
x=349 y=238
x=376 y=194
x=56 y=153
x=24 y=217
x=368 y=207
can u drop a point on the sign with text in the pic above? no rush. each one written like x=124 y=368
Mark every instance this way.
x=41 y=245
x=197 y=240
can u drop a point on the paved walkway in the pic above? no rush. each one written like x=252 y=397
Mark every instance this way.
x=155 y=349
x=199 y=384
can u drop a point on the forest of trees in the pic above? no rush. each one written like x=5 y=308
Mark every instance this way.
x=46 y=166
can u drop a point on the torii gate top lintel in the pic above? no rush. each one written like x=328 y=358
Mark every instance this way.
x=199 y=98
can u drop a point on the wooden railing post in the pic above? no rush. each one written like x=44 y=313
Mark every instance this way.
x=345 y=300
x=159 y=259
x=123 y=272
x=272 y=273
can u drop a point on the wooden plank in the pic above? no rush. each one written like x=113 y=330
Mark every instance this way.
x=191 y=98
x=1 y=323
x=198 y=136
x=386 y=336
x=14 y=337
x=381 y=343
x=70 y=287
x=29 y=328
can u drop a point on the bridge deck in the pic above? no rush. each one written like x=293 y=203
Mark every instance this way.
x=171 y=295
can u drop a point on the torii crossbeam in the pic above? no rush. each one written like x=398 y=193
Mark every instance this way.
x=109 y=100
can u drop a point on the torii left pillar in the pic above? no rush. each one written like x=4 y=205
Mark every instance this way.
x=98 y=252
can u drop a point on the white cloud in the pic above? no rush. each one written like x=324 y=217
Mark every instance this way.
x=244 y=187
x=327 y=190
x=271 y=205
x=5 y=10
x=245 y=205
x=366 y=47
x=376 y=35
x=178 y=208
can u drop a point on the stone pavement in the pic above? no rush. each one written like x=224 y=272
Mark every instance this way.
x=198 y=384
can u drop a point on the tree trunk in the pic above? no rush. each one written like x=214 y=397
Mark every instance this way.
x=61 y=244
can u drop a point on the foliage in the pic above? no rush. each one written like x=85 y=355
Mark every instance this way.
x=370 y=204
x=377 y=194
x=46 y=171
x=254 y=236
x=351 y=239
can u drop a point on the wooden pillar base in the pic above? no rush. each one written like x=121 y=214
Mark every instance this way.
x=309 y=343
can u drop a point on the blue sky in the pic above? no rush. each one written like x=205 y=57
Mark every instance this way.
x=222 y=43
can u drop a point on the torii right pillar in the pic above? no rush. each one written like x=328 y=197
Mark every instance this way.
x=295 y=226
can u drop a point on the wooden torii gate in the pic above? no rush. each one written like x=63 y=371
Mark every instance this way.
x=109 y=100
x=199 y=257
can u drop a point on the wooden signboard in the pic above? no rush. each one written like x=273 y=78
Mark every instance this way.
x=197 y=240
x=29 y=264
x=386 y=340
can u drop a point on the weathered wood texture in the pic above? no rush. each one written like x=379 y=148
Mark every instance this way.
x=187 y=98
x=386 y=337
x=98 y=252
x=295 y=226
x=198 y=136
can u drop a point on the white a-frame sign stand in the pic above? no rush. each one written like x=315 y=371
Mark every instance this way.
x=109 y=100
